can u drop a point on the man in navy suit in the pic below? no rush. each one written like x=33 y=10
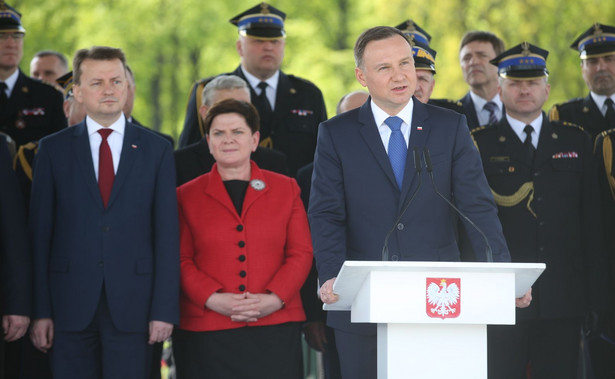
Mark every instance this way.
x=104 y=223
x=482 y=104
x=358 y=191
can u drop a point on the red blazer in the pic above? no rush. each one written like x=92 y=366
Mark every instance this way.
x=267 y=248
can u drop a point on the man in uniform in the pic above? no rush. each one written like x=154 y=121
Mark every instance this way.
x=543 y=176
x=195 y=159
x=482 y=103
x=48 y=66
x=425 y=66
x=595 y=113
x=29 y=109
x=290 y=108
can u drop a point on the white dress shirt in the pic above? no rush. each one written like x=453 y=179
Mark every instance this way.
x=115 y=141
x=385 y=132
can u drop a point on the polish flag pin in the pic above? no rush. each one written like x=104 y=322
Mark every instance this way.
x=134 y=146
x=419 y=128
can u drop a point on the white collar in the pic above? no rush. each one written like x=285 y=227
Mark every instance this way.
x=254 y=81
x=118 y=126
x=11 y=81
x=405 y=114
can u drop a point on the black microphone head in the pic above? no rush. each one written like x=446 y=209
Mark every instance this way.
x=417 y=159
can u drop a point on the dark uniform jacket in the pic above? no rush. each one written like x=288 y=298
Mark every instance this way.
x=469 y=111
x=33 y=111
x=195 y=160
x=454 y=105
x=550 y=212
x=298 y=111
x=581 y=111
x=15 y=257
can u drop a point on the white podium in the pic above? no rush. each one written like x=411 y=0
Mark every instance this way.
x=432 y=316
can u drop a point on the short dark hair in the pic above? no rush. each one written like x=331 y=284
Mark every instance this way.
x=97 y=53
x=483 y=36
x=376 y=33
x=245 y=110
x=53 y=53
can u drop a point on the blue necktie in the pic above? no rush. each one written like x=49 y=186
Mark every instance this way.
x=491 y=107
x=397 y=149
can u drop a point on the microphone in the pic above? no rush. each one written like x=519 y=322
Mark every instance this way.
x=429 y=168
x=418 y=168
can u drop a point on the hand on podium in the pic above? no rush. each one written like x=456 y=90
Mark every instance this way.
x=524 y=302
x=326 y=292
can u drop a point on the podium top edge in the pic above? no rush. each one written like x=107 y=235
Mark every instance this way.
x=445 y=265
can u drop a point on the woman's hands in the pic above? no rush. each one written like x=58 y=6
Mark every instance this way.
x=244 y=307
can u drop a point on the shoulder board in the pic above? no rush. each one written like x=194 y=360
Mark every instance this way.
x=568 y=124
x=554 y=111
x=298 y=79
x=479 y=128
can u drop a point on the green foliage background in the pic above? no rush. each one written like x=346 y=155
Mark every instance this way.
x=171 y=43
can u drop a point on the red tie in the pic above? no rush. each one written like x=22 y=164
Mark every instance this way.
x=106 y=175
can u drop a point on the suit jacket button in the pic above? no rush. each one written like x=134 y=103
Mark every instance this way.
x=242 y=258
x=239 y=228
x=242 y=288
x=394 y=258
x=400 y=226
x=242 y=274
x=241 y=244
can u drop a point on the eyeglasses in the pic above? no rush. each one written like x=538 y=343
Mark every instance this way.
x=14 y=36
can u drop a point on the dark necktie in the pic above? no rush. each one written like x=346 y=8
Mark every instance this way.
x=491 y=107
x=397 y=149
x=106 y=175
x=3 y=97
x=529 y=147
x=610 y=113
x=266 y=113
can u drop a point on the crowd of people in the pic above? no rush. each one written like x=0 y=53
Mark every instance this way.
x=112 y=242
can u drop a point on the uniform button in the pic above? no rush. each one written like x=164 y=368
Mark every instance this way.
x=539 y=198
x=394 y=258
x=242 y=258
x=242 y=287
x=241 y=244
x=541 y=223
x=239 y=228
x=400 y=226
x=541 y=249
x=536 y=174
x=105 y=228
x=242 y=274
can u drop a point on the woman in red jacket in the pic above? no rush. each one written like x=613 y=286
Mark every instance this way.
x=245 y=253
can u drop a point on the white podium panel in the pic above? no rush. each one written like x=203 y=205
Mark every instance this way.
x=432 y=316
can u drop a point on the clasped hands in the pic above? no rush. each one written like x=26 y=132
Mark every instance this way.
x=244 y=307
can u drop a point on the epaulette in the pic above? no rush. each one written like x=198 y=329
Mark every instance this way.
x=554 y=111
x=25 y=157
x=568 y=124
x=479 y=128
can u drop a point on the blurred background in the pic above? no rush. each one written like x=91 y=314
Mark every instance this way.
x=172 y=43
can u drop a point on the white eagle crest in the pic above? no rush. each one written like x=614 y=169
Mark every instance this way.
x=443 y=299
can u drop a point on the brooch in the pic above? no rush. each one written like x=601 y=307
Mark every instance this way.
x=257 y=184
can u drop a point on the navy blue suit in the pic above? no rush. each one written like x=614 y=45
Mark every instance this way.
x=469 y=111
x=355 y=200
x=127 y=253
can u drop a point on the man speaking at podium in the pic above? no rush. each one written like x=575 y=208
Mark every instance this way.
x=374 y=161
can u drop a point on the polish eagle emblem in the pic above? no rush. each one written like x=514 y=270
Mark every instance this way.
x=443 y=297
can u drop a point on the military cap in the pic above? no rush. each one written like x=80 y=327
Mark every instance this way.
x=262 y=22
x=411 y=29
x=424 y=56
x=10 y=19
x=597 y=41
x=66 y=82
x=524 y=61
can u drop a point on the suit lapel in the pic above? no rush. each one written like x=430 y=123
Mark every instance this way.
x=470 y=110
x=513 y=145
x=369 y=132
x=545 y=142
x=83 y=156
x=130 y=150
x=253 y=194
x=420 y=130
